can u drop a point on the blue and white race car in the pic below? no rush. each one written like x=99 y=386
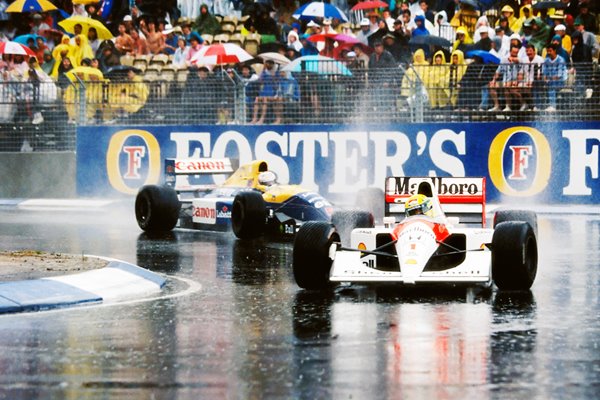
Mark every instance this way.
x=249 y=201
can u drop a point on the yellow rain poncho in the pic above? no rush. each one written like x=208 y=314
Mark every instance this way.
x=127 y=96
x=467 y=40
x=513 y=22
x=415 y=73
x=81 y=50
x=93 y=79
x=64 y=49
x=436 y=81
x=457 y=70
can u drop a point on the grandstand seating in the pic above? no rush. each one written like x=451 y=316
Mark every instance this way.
x=208 y=38
x=237 y=38
x=221 y=38
x=251 y=43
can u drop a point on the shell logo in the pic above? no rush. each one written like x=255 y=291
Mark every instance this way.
x=519 y=162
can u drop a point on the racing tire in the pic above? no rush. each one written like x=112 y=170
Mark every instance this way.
x=157 y=208
x=248 y=215
x=517 y=215
x=372 y=199
x=310 y=262
x=347 y=220
x=514 y=256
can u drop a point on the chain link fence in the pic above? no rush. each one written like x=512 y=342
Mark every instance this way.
x=44 y=116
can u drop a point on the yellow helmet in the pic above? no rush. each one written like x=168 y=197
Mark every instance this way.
x=418 y=204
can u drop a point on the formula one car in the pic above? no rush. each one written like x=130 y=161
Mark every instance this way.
x=430 y=245
x=249 y=201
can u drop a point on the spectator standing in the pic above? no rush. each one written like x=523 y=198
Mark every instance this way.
x=364 y=33
x=588 y=38
x=540 y=35
x=381 y=64
x=206 y=23
x=509 y=71
x=200 y=96
x=181 y=53
x=581 y=58
x=93 y=40
x=81 y=50
x=140 y=47
x=456 y=71
x=554 y=72
x=154 y=39
x=587 y=18
x=362 y=58
x=267 y=93
x=565 y=40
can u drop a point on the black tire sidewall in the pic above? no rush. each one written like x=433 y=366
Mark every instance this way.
x=514 y=255
x=311 y=264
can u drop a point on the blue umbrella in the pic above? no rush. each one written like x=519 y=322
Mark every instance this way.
x=24 y=38
x=319 y=65
x=316 y=9
x=486 y=56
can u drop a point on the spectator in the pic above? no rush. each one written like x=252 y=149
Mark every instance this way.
x=587 y=18
x=288 y=95
x=387 y=17
x=170 y=38
x=364 y=33
x=293 y=40
x=123 y=42
x=509 y=71
x=381 y=62
x=540 y=35
x=483 y=27
x=109 y=56
x=202 y=108
x=516 y=41
x=181 y=53
x=154 y=39
x=588 y=38
x=513 y=22
x=437 y=81
x=504 y=25
x=467 y=17
x=427 y=13
x=38 y=24
x=565 y=40
x=556 y=39
x=48 y=62
x=267 y=94
x=126 y=97
x=93 y=40
x=395 y=49
x=442 y=27
x=140 y=46
x=456 y=71
x=81 y=50
x=206 y=23
x=463 y=41
x=41 y=48
x=420 y=29
x=195 y=46
x=362 y=58
x=503 y=40
x=64 y=67
x=308 y=48
x=474 y=82
x=531 y=67
x=327 y=28
x=558 y=18
x=554 y=72
x=581 y=58
x=266 y=26
x=380 y=33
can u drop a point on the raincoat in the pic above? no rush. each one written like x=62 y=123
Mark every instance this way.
x=457 y=70
x=127 y=96
x=437 y=81
x=415 y=74
x=81 y=50
x=64 y=49
x=466 y=41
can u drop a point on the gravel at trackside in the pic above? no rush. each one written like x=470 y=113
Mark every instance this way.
x=32 y=264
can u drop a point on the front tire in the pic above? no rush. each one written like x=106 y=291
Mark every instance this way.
x=248 y=215
x=157 y=208
x=517 y=215
x=311 y=263
x=514 y=256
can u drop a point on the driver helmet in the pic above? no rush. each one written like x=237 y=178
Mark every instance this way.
x=418 y=204
x=267 y=178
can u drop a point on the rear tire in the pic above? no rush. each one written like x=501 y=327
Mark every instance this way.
x=157 y=208
x=514 y=256
x=517 y=215
x=311 y=263
x=248 y=215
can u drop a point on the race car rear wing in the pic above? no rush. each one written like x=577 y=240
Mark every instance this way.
x=458 y=197
x=197 y=167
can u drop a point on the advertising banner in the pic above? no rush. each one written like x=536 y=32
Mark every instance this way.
x=545 y=163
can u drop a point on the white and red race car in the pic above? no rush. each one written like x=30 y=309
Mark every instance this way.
x=450 y=245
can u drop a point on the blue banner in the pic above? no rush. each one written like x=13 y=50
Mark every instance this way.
x=535 y=163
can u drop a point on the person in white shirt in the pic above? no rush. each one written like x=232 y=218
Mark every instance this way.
x=531 y=68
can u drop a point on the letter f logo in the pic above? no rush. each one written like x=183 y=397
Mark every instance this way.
x=134 y=161
x=520 y=161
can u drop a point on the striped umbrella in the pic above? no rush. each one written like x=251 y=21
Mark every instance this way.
x=316 y=9
x=219 y=54
x=15 y=48
x=23 y=6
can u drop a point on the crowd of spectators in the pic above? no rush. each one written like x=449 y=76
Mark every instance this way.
x=506 y=55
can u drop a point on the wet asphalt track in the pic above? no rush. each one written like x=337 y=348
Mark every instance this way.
x=248 y=333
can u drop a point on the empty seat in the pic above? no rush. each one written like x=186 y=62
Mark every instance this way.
x=141 y=61
x=127 y=60
x=237 y=38
x=251 y=43
x=208 y=38
x=168 y=74
x=221 y=38
x=159 y=59
x=227 y=28
x=151 y=74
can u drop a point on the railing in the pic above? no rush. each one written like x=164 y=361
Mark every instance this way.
x=471 y=92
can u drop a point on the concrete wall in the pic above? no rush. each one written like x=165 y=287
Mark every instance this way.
x=37 y=175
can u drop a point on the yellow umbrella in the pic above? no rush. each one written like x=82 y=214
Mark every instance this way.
x=86 y=23
x=86 y=1
x=23 y=6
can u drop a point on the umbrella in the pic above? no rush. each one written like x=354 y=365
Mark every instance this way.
x=320 y=37
x=369 y=4
x=472 y=3
x=486 y=56
x=222 y=53
x=86 y=1
x=15 y=48
x=317 y=64
x=276 y=57
x=316 y=9
x=86 y=74
x=546 y=4
x=340 y=37
x=23 y=6
x=86 y=23
x=431 y=40
x=24 y=38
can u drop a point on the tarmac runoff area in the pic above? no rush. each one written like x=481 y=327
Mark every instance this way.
x=35 y=281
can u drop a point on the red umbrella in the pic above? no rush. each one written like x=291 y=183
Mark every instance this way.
x=15 y=48
x=320 y=37
x=366 y=5
x=348 y=46
x=222 y=53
